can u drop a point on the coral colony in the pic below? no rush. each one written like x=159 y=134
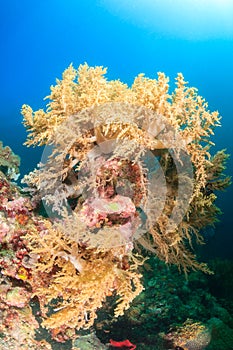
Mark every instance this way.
x=125 y=170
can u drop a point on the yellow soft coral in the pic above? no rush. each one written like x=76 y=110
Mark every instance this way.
x=76 y=280
x=85 y=110
x=87 y=86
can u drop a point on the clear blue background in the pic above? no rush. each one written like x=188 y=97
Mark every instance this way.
x=39 y=39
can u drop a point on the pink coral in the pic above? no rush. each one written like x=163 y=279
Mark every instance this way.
x=16 y=206
x=4 y=229
x=17 y=296
x=117 y=210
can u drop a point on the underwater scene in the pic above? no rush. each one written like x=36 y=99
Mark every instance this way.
x=115 y=175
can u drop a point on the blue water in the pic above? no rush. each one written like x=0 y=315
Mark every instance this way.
x=39 y=39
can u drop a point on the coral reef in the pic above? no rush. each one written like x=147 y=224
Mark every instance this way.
x=152 y=311
x=9 y=162
x=68 y=281
x=196 y=336
x=77 y=280
x=91 y=121
x=126 y=170
x=169 y=305
x=190 y=336
x=18 y=324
